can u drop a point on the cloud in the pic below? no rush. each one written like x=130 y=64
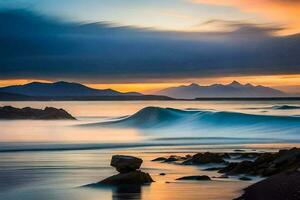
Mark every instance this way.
x=280 y=11
x=39 y=47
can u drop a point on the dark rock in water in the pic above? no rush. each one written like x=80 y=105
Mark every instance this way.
x=205 y=158
x=267 y=164
x=174 y=158
x=129 y=175
x=125 y=164
x=245 y=178
x=130 y=178
x=195 y=178
x=49 y=113
x=283 y=186
x=159 y=159
x=243 y=167
x=287 y=156
x=134 y=177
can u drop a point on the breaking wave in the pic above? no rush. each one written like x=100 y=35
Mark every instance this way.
x=162 y=118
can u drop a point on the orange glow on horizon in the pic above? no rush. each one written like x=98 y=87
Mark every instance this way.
x=289 y=83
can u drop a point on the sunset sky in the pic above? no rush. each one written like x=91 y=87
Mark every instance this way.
x=143 y=45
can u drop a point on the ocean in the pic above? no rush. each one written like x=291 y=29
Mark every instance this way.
x=52 y=159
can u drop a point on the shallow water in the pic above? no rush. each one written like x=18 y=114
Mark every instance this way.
x=52 y=159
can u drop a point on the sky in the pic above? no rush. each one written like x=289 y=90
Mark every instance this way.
x=143 y=45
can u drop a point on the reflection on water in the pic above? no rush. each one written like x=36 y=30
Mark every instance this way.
x=128 y=192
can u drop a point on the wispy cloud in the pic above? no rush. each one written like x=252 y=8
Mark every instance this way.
x=285 y=12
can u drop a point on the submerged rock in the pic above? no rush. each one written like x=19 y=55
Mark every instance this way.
x=125 y=164
x=195 y=178
x=9 y=112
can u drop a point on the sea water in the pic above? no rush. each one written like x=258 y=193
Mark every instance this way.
x=52 y=159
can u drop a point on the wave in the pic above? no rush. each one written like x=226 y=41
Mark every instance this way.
x=151 y=117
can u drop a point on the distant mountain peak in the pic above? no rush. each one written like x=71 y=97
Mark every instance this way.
x=194 y=85
x=235 y=83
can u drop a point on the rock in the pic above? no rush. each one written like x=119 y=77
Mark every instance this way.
x=282 y=186
x=243 y=167
x=188 y=156
x=205 y=158
x=287 y=156
x=162 y=174
x=266 y=164
x=125 y=164
x=245 y=178
x=195 y=178
x=129 y=175
x=49 y=113
x=174 y=158
x=134 y=177
x=159 y=159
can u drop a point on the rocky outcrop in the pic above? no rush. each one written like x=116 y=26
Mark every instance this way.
x=49 y=113
x=128 y=166
x=283 y=186
x=266 y=164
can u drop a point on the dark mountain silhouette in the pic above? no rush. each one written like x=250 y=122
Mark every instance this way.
x=232 y=90
x=37 y=91
x=61 y=89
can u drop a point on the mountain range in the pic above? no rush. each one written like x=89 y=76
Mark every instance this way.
x=232 y=90
x=61 y=88
x=75 y=91
x=68 y=91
